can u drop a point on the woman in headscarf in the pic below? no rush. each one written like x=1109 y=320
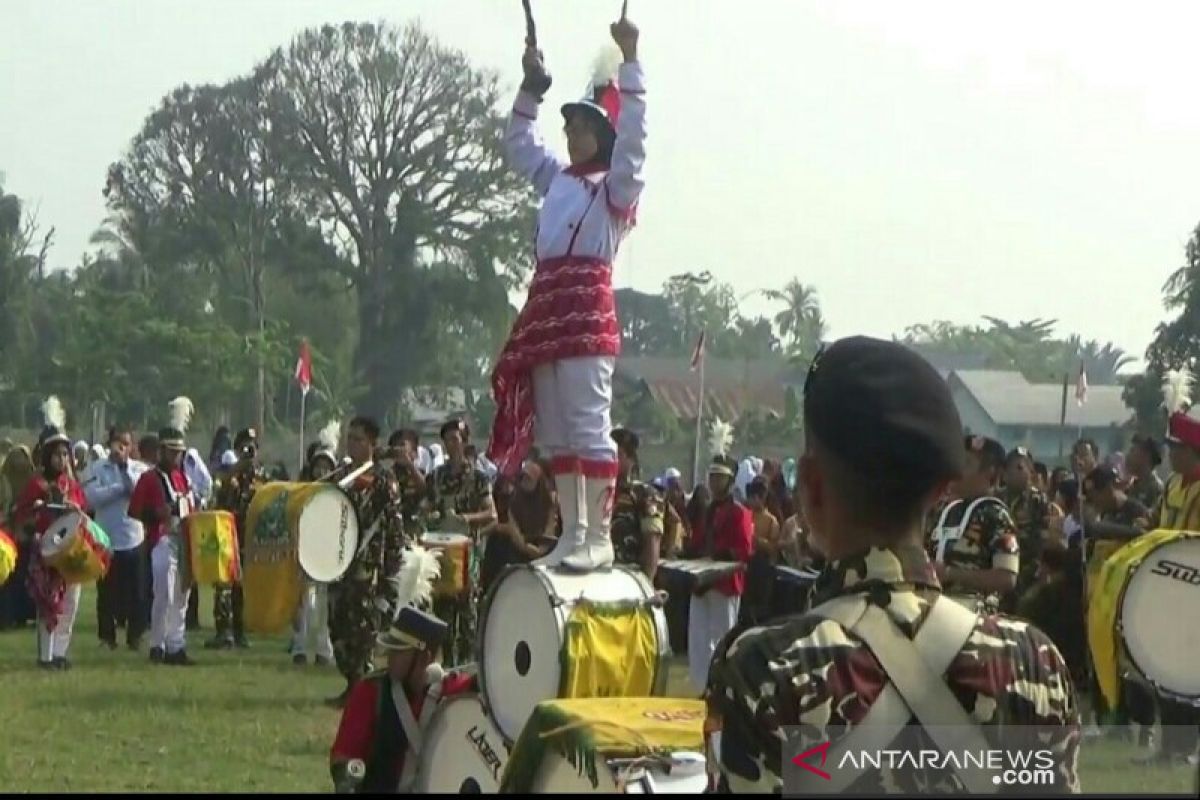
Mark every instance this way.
x=222 y=441
x=527 y=521
x=16 y=607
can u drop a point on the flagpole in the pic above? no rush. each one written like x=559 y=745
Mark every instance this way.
x=699 y=426
x=303 y=398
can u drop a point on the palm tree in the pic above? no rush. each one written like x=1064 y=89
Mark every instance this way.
x=801 y=323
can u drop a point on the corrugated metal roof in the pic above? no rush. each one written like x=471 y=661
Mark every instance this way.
x=727 y=403
x=1009 y=399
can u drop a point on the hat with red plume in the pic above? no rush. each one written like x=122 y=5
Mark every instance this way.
x=1182 y=428
x=603 y=97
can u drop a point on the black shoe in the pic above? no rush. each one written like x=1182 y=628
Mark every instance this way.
x=61 y=663
x=241 y=642
x=322 y=661
x=219 y=642
x=111 y=644
x=179 y=659
x=156 y=655
x=47 y=665
x=134 y=645
x=300 y=660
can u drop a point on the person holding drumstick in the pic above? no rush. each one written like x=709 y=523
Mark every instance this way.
x=48 y=495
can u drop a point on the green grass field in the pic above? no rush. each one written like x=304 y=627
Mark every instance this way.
x=240 y=721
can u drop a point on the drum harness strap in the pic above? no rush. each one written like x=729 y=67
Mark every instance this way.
x=916 y=686
x=413 y=730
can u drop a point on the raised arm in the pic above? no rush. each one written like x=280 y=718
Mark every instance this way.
x=523 y=145
x=625 y=179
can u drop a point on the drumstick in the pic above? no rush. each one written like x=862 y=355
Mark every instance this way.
x=347 y=481
x=530 y=27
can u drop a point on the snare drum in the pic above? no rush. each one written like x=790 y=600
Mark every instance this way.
x=611 y=746
x=1142 y=615
x=550 y=634
x=210 y=544
x=77 y=548
x=293 y=529
x=793 y=590
x=8 y=556
x=462 y=752
x=455 y=552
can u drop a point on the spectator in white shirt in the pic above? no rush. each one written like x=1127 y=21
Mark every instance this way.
x=121 y=598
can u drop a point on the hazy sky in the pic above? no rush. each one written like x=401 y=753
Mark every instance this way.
x=912 y=160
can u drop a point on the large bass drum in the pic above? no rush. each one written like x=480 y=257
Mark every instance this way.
x=462 y=752
x=556 y=634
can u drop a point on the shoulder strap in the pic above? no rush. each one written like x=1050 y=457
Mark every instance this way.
x=945 y=537
x=916 y=687
x=414 y=730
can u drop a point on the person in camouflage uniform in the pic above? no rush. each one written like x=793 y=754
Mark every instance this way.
x=403 y=446
x=1028 y=507
x=235 y=494
x=881 y=442
x=366 y=599
x=638 y=519
x=1143 y=458
x=461 y=498
x=982 y=564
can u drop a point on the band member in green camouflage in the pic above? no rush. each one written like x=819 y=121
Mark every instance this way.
x=1028 y=508
x=882 y=442
x=235 y=495
x=366 y=599
x=402 y=446
x=1143 y=459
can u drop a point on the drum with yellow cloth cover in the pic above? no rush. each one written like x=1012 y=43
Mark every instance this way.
x=1142 y=615
x=8 y=556
x=556 y=634
x=210 y=542
x=456 y=554
x=293 y=530
x=77 y=548
x=615 y=745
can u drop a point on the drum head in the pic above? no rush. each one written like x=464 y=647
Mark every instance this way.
x=463 y=753
x=1157 y=618
x=522 y=636
x=60 y=533
x=327 y=535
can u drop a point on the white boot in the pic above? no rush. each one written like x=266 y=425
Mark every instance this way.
x=597 y=551
x=572 y=501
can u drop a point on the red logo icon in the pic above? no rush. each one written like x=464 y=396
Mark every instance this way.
x=823 y=751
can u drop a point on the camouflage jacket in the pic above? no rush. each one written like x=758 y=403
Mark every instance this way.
x=989 y=542
x=811 y=675
x=464 y=491
x=376 y=499
x=412 y=495
x=1028 y=511
x=637 y=513
x=236 y=492
x=1147 y=492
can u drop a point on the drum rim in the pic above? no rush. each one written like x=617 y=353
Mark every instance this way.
x=1133 y=662
x=323 y=488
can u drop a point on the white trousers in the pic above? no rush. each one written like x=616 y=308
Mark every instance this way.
x=54 y=645
x=168 y=612
x=312 y=633
x=710 y=617
x=572 y=400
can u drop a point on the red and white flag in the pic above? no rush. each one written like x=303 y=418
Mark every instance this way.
x=304 y=367
x=1081 y=386
x=698 y=353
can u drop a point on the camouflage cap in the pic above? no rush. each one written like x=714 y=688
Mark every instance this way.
x=883 y=410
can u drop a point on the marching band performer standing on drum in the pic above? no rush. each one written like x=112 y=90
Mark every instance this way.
x=975 y=540
x=162 y=500
x=638 y=521
x=556 y=370
x=882 y=441
x=727 y=534
x=235 y=495
x=383 y=724
x=366 y=599
x=461 y=496
x=56 y=602
x=121 y=595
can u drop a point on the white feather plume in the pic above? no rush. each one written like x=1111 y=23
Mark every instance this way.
x=1177 y=390
x=330 y=435
x=606 y=65
x=720 y=438
x=53 y=412
x=418 y=571
x=181 y=409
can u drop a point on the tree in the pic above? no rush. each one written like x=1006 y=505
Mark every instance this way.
x=393 y=144
x=801 y=324
x=1143 y=395
x=1177 y=341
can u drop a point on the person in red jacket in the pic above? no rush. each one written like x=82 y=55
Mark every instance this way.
x=726 y=535
x=44 y=499
x=388 y=711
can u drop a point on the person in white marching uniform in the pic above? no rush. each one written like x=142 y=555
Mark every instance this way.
x=553 y=381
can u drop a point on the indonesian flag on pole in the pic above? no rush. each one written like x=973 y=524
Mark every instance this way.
x=304 y=367
x=1081 y=386
x=698 y=353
